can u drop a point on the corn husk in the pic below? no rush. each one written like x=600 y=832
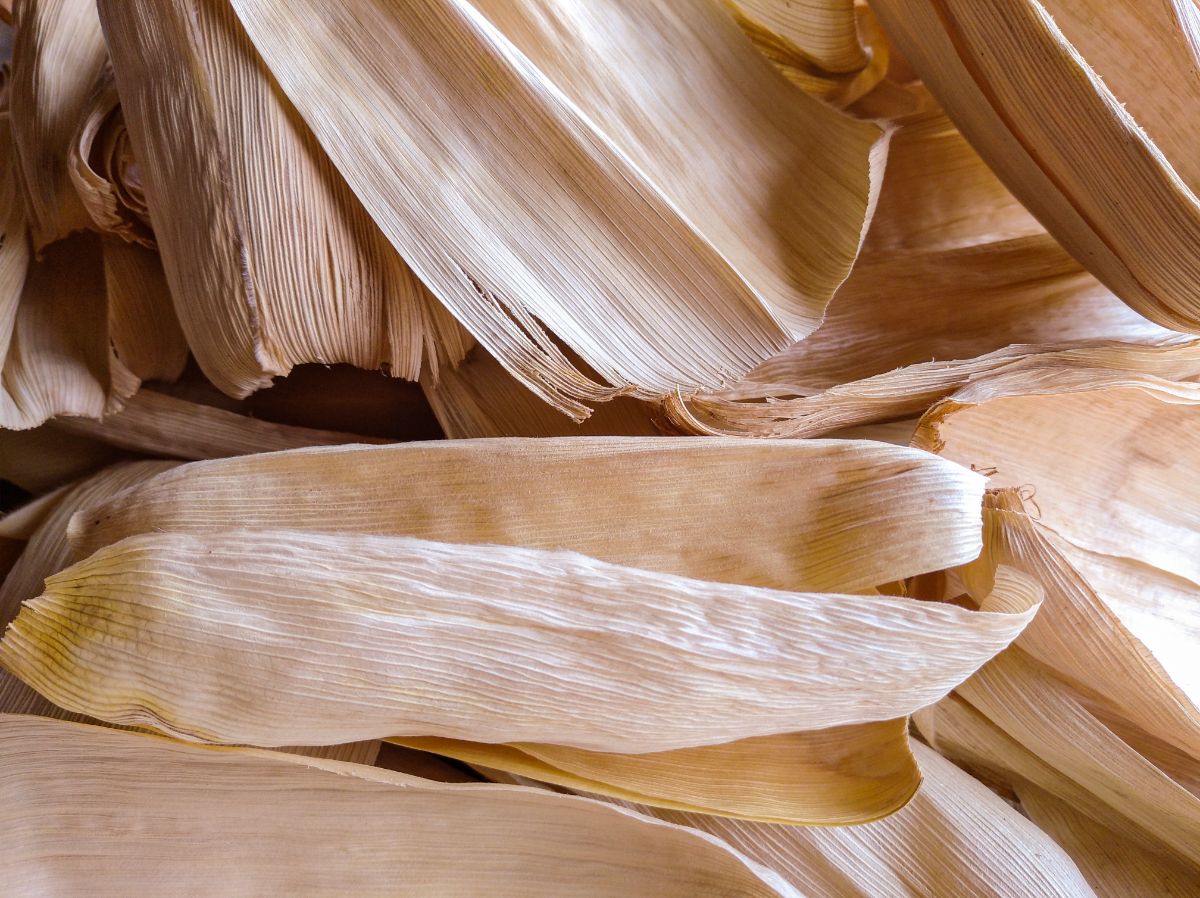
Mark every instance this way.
x=87 y=355
x=1113 y=866
x=159 y=424
x=833 y=776
x=862 y=514
x=1123 y=516
x=1096 y=703
x=595 y=656
x=479 y=399
x=58 y=58
x=47 y=551
x=954 y=270
x=252 y=823
x=1119 y=78
x=271 y=260
x=690 y=531
x=954 y=838
x=103 y=169
x=714 y=254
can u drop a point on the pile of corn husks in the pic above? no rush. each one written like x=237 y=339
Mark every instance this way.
x=600 y=447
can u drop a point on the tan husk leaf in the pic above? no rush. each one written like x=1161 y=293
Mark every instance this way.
x=48 y=552
x=480 y=399
x=247 y=823
x=954 y=838
x=672 y=224
x=58 y=58
x=1115 y=867
x=271 y=260
x=955 y=271
x=735 y=511
x=375 y=636
x=1118 y=77
x=832 y=776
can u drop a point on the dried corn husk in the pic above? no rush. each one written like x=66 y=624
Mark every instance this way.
x=1124 y=517
x=1113 y=866
x=861 y=515
x=158 y=424
x=1093 y=706
x=953 y=270
x=480 y=399
x=714 y=252
x=1119 y=79
x=58 y=58
x=832 y=776
x=954 y=838
x=271 y=260
x=593 y=656
x=48 y=552
x=912 y=390
x=246 y=822
x=81 y=326
x=831 y=49
x=104 y=171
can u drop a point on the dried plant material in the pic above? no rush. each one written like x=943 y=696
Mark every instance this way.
x=832 y=776
x=81 y=326
x=1119 y=77
x=246 y=822
x=1042 y=714
x=862 y=514
x=48 y=552
x=831 y=49
x=480 y=399
x=57 y=359
x=679 y=252
x=1077 y=634
x=45 y=458
x=142 y=327
x=158 y=424
x=1124 y=517
x=104 y=171
x=271 y=260
x=954 y=270
x=954 y=838
x=381 y=636
x=58 y=57
x=754 y=410
x=1113 y=866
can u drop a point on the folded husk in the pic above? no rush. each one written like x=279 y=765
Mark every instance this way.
x=954 y=838
x=667 y=251
x=953 y=270
x=271 y=260
x=833 y=776
x=48 y=552
x=755 y=411
x=382 y=636
x=861 y=515
x=136 y=809
x=1117 y=76
x=58 y=57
